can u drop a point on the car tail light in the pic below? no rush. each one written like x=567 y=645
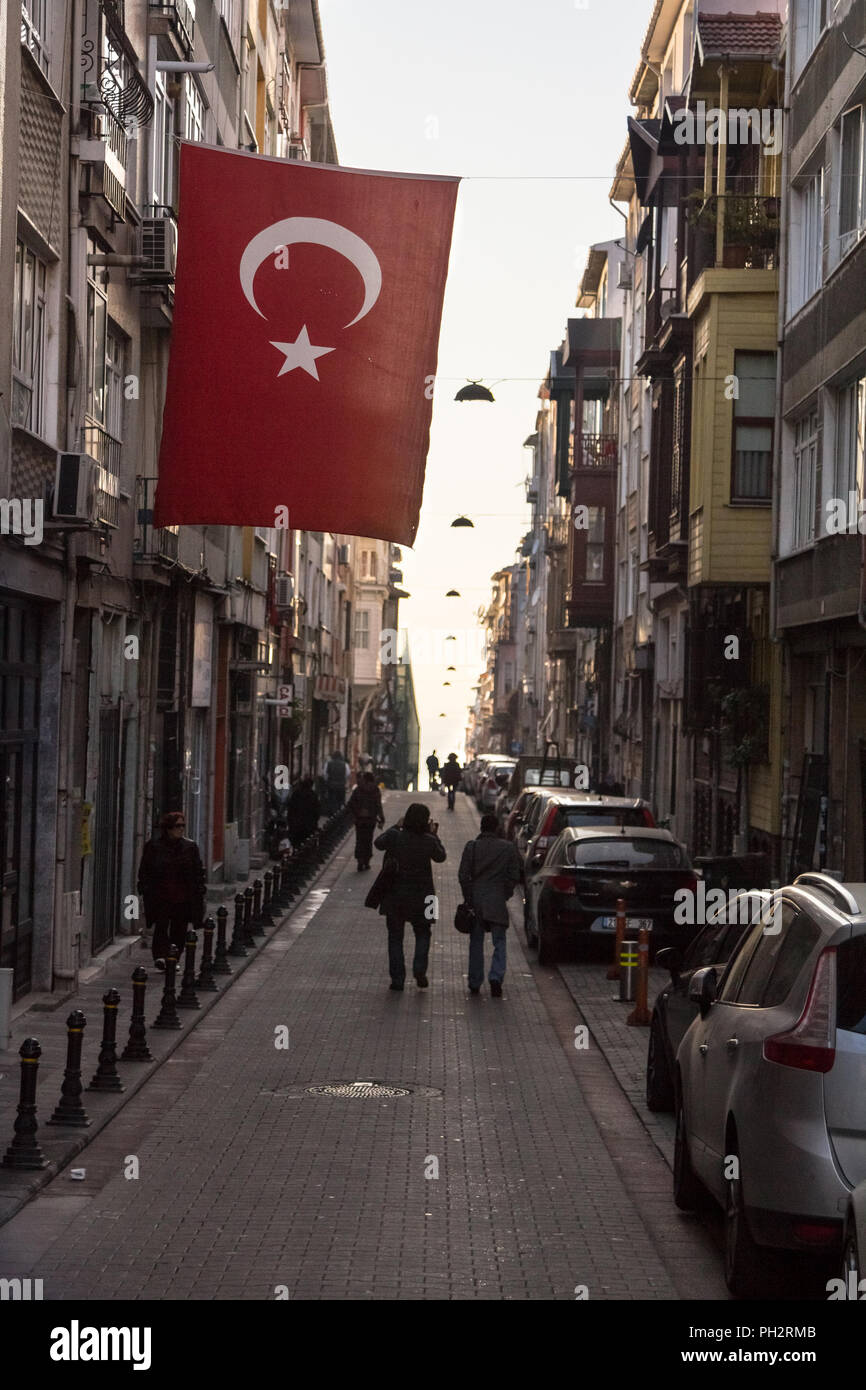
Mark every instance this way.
x=815 y=1232
x=648 y=819
x=563 y=883
x=811 y=1043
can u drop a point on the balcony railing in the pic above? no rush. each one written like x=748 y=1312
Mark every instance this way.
x=750 y=232
x=596 y=451
x=105 y=449
x=151 y=542
x=182 y=13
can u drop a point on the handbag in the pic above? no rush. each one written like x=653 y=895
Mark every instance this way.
x=465 y=918
x=383 y=882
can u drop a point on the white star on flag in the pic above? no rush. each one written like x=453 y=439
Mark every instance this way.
x=301 y=353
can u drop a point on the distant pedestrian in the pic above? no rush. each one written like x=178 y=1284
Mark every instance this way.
x=365 y=807
x=171 y=881
x=303 y=811
x=433 y=770
x=489 y=872
x=451 y=775
x=336 y=779
x=410 y=895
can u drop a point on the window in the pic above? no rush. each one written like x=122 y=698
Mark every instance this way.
x=809 y=19
x=28 y=340
x=193 y=127
x=162 y=136
x=851 y=985
x=34 y=29
x=850 y=439
x=362 y=629
x=368 y=564
x=807 y=215
x=778 y=959
x=754 y=410
x=229 y=13
x=851 y=194
x=626 y=852
x=806 y=471
x=595 y=546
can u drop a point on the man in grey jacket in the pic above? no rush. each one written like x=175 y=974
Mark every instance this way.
x=489 y=872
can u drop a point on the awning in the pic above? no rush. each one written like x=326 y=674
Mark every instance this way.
x=329 y=688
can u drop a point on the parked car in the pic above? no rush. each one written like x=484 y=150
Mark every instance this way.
x=534 y=770
x=494 y=778
x=573 y=896
x=550 y=811
x=475 y=771
x=854 y=1244
x=673 y=1010
x=770 y=1074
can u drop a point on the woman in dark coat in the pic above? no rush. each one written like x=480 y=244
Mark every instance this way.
x=171 y=881
x=411 y=897
x=303 y=811
x=365 y=807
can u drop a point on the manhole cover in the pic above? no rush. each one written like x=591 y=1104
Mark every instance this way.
x=358 y=1089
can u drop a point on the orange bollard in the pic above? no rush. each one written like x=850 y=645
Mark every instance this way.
x=640 y=1015
x=613 y=971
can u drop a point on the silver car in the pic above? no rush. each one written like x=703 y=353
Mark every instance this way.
x=770 y=1093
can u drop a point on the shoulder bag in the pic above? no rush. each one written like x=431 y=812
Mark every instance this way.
x=464 y=917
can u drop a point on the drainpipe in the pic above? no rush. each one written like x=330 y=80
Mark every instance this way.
x=775 y=515
x=721 y=166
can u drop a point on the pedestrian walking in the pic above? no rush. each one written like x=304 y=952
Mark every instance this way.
x=489 y=872
x=365 y=807
x=451 y=776
x=171 y=881
x=303 y=811
x=409 y=895
x=433 y=770
x=336 y=779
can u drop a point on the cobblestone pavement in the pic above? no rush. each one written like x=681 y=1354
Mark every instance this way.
x=249 y=1187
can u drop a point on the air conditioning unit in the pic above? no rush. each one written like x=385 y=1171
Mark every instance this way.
x=298 y=148
x=343 y=555
x=532 y=485
x=623 y=276
x=159 y=248
x=75 y=487
x=285 y=591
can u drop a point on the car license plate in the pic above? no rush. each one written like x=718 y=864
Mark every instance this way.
x=631 y=923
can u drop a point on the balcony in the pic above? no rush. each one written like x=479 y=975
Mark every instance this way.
x=105 y=449
x=151 y=542
x=747 y=240
x=181 y=17
x=596 y=453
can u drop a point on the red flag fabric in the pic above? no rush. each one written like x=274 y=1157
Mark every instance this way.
x=304 y=344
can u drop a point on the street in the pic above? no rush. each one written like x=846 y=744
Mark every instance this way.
x=514 y=1169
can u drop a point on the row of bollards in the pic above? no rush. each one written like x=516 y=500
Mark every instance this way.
x=255 y=909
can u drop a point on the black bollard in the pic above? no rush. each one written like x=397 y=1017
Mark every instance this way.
x=281 y=886
x=105 y=1078
x=24 y=1152
x=248 y=916
x=237 y=947
x=256 y=928
x=267 y=903
x=221 y=965
x=167 y=1016
x=69 y=1111
x=136 y=1049
x=205 y=979
x=188 y=999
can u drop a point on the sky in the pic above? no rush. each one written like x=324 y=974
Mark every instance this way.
x=527 y=103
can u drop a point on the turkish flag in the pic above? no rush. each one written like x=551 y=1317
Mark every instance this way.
x=304 y=345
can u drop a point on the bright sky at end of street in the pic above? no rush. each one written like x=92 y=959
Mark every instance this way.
x=528 y=104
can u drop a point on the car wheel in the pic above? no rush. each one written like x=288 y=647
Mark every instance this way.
x=851 y=1267
x=743 y=1258
x=688 y=1189
x=548 y=952
x=659 y=1083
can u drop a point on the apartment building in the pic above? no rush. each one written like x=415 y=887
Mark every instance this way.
x=818 y=532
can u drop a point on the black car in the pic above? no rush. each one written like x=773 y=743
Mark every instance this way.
x=673 y=1010
x=573 y=897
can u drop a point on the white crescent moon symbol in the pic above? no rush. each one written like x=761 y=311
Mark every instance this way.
x=321 y=233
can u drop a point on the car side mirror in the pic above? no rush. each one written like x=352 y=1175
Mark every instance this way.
x=702 y=989
x=671 y=958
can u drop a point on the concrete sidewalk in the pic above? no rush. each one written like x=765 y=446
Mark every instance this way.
x=483 y=1175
